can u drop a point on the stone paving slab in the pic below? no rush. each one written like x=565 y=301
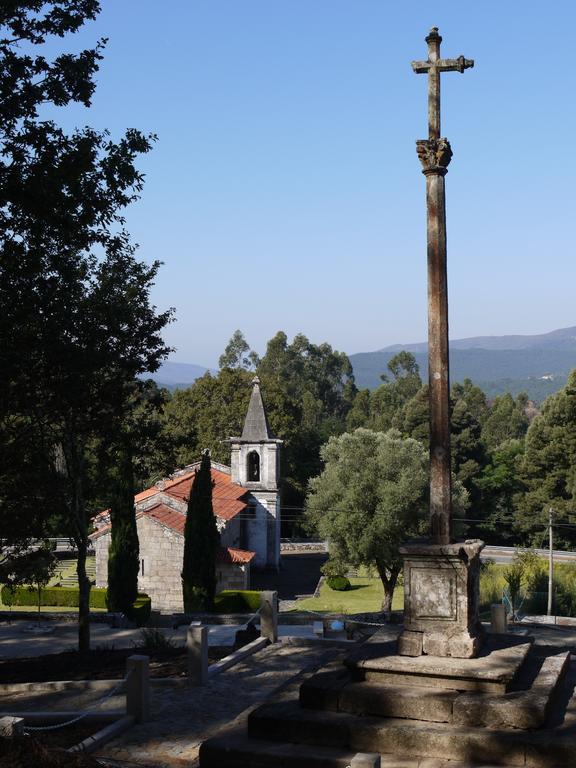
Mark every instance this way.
x=183 y=718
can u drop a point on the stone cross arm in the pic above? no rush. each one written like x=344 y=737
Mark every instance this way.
x=443 y=65
x=433 y=66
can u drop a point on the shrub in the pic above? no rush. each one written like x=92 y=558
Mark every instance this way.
x=237 y=601
x=151 y=637
x=68 y=597
x=338 y=583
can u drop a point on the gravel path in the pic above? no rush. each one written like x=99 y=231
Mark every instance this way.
x=181 y=718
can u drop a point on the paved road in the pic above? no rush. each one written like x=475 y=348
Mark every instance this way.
x=299 y=575
x=506 y=554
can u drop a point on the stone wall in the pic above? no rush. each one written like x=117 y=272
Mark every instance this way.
x=161 y=555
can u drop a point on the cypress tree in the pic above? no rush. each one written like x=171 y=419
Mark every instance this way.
x=124 y=554
x=201 y=540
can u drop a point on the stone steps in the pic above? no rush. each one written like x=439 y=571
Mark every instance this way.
x=365 y=698
x=287 y=722
x=493 y=671
x=511 y=708
x=236 y=750
x=239 y=751
x=334 y=690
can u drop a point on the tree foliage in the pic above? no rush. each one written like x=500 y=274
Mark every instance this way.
x=201 y=539
x=238 y=353
x=123 y=554
x=77 y=325
x=548 y=467
x=371 y=496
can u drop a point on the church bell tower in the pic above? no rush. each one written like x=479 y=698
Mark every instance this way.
x=255 y=464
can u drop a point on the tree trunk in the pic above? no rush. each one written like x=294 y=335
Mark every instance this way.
x=84 y=598
x=389 y=577
x=74 y=466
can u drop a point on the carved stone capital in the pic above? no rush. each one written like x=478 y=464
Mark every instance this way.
x=434 y=154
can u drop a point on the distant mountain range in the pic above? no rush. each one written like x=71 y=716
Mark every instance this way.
x=176 y=375
x=537 y=365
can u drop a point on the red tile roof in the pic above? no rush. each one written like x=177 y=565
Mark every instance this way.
x=227 y=497
x=175 y=521
x=234 y=556
x=168 y=517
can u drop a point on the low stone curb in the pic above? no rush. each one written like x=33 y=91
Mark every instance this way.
x=58 y=685
x=115 y=723
x=236 y=656
x=52 y=717
x=102 y=737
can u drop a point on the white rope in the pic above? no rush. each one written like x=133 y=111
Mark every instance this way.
x=83 y=715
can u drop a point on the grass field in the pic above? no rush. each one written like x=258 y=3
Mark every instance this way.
x=365 y=597
x=66 y=570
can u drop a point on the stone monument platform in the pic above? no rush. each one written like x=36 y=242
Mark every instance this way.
x=441 y=587
x=513 y=705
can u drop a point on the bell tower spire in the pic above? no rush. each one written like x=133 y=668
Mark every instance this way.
x=255 y=464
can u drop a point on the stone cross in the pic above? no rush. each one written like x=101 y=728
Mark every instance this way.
x=435 y=154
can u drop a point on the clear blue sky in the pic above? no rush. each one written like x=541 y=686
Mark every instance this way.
x=285 y=192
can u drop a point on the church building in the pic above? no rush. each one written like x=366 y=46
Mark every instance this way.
x=246 y=503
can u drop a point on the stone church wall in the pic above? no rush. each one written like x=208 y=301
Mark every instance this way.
x=161 y=555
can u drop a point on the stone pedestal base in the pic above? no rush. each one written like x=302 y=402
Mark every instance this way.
x=441 y=588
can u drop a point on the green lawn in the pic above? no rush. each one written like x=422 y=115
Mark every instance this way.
x=365 y=597
x=65 y=569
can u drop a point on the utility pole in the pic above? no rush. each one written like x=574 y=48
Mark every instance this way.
x=550 y=561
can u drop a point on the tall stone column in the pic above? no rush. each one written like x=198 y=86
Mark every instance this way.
x=441 y=579
x=435 y=156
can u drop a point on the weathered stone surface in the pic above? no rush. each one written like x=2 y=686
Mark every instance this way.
x=404 y=737
x=321 y=691
x=10 y=726
x=461 y=645
x=521 y=709
x=410 y=644
x=498 y=622
x=551 y=749
x=441 y=585
x=366 y=760
x=493 y=670
x=414 y=703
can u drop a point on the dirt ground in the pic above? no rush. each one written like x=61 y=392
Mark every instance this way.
x=99 y=664
x=26 y=752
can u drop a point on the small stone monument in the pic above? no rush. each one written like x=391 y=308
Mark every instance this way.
x=441 y=578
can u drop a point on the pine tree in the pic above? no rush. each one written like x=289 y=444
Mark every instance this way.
x=124 y=555
x=201 y=540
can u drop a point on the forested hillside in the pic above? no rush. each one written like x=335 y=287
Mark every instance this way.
x=513 y=459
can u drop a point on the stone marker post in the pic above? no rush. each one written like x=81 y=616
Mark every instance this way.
x=366 y=760
x=138 y=688
x=197 y=653
x=269 y=616
x=498 y=621
x=10 y=726
x=440 y=578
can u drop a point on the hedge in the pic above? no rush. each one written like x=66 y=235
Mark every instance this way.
x=140 y=610
x=338 y=583
x=69 y=597
x=237 y=601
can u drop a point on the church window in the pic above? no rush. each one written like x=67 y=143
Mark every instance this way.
x=253 y=467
